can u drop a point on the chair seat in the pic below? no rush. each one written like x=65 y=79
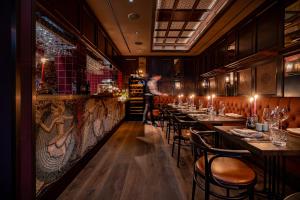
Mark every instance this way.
x=185 y=133
x=228 y=170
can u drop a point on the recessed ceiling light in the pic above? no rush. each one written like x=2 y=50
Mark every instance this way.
x=130 y=1
x=133 y=16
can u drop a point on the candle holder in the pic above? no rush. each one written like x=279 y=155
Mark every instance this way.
x=251 y=121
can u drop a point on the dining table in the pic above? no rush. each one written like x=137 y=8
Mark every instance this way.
x=274 y=156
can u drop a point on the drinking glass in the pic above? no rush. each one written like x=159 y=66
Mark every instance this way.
x=221 y=108
x=200 y=105
x=283 y=115
x=278 y=136
x=266 y=116
x=274 y=117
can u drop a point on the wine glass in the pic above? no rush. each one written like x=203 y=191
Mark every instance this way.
x=266 y=116
x=275 y=117
x=200 y=105
x=283 y=115
x=221 y=108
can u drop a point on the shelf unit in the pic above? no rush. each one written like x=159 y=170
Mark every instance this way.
x=135 y=104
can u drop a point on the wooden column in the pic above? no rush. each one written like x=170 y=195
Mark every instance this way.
x=25 y=137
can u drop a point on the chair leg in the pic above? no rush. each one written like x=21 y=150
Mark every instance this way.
x=194 y=188
x=178 y=155
x=169 y=133
x=173 y=146
x=206 y=189
x=167 y=130
x=251 y=193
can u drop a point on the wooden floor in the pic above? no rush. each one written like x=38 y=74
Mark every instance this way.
x=135 y=164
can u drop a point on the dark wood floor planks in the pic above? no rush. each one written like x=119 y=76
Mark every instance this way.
x=135 y=164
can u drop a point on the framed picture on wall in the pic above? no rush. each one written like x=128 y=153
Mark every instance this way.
x=265 y=81
x=244 y=82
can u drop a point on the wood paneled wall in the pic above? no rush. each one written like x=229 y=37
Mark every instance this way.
x=181 y=69
x=257 y=44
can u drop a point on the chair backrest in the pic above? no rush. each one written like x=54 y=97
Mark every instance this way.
x=198 y=140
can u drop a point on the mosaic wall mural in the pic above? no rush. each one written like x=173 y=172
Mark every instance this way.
x=66 y=129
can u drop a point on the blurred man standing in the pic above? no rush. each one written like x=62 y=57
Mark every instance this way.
x=150 y=92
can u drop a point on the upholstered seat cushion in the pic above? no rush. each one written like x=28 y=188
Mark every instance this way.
x=185 y=133
x=228 y=170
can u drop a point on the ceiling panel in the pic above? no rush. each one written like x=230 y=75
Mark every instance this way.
x=170 y=40
x=185 y=4
x=187 y=33
x=177 y=25
x=160 y=33
x=165 y=4
x=206 y=4
x=161 y=25
x=158 y=40
x=192 y=25
x=183 y=40
x=173 y=33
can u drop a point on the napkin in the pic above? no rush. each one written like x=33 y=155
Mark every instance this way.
x=295 y=131
x=233 y=115
x=246 y=133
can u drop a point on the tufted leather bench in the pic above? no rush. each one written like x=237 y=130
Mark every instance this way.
x=241 y=105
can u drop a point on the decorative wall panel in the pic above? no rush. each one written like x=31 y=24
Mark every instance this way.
x=266 y=78
x=244 y=82
x=66 y=129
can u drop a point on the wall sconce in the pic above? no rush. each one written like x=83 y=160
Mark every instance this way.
x=227 y=79
x=205 y=83
x=177 y=85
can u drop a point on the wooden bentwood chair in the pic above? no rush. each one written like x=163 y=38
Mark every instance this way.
x=182 y=133
x=222 y=168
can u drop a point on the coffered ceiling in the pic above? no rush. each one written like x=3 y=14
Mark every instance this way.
x=169 y=27
x=178 y=24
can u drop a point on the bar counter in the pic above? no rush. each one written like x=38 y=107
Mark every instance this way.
x=67 y=128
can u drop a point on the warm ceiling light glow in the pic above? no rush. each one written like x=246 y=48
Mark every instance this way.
x=208 y=97
x=255 y=96
x=213 y=96
x=130 y=1
x=251 y=99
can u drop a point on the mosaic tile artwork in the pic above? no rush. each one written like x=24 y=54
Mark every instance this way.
x=66 y=129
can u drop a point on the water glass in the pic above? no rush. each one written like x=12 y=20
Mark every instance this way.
x=278 y=136
x=200 y=105
x=222 y=108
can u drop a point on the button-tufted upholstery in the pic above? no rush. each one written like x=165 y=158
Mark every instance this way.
x=241 y=105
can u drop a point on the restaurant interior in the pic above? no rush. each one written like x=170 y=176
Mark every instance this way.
x=150 y=99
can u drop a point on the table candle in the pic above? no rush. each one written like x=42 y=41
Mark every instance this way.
x=208 y=100
x=254 y=109
x=212 y=99
x=251 y=100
